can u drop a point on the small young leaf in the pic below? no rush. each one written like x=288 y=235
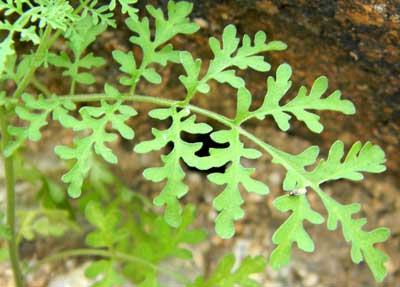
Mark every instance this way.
x=95 y=119
x=223 y=276
x=110 y=276
x=37 y=121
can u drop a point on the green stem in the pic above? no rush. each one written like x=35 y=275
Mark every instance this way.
x=43 y=46
x=10 y=188
x=42 y=88
x=272 y=151
x=104 y=253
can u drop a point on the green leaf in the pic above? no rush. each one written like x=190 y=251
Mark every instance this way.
x=177 y=22
x=109 y=275
x=5 y=232
x=296 y=177
x=57 y=14
x=224 y=276
x=158 y=241
x=302 y=103
x=106 y=221
x=79 y=39
x=45 y=222
x=292 y=230
x=100 y=15
x=153 y=47
x=27 y=112
x=228 y=202
x=362 y=241
x=6 y=50
x=95 y=119
x=128 y=65
x=175 y=188
x=228 y=54
x=360 y=158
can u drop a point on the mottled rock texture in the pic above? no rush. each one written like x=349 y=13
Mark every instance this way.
x=355 y=43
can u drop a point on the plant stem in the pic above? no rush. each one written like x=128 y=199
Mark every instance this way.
x=43 y=46
x=42 y=88
x=104 y=253
x=272 y=151
x=10 y=188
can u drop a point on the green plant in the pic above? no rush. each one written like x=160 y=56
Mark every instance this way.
x=118 y=216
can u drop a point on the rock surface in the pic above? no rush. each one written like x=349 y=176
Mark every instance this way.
x=356 y=44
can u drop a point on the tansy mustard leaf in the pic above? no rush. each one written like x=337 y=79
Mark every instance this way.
x=227 y=55
x=224 y=276
x=362 y=242
x=78 y=40
x=292 y=230
x=360 y=158
x=106 y=271
x=29 y=112
x=300 y=105
x=174 y=188
x=95 y=119
x=154 y=47
x=228 y=202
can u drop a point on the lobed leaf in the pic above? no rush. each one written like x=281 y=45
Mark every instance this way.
x=107 y=231
x=292 y=230
x=158 y=241
x=105 y=270
x=300 y=105
x=228 y=54
x=224 y=276
x=228 y=202
x=175 y=188
x=153 y=47
x=99 y=15
x=79 y=39
x=28 y=112
x=362 y=242
x=360 y=158
x=95 y=119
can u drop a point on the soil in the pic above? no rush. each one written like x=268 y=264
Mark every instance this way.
x=320 y=42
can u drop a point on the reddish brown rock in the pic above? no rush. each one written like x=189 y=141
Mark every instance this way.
x=355 y=43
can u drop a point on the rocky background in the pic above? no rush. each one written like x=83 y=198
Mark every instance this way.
x=356 y=44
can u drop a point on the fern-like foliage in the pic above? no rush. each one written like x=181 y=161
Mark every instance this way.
x=56 y=14
x=292 y=230
x=223 y=276
x=175 y=188
x=37 y=22
x=227 y=55
x=79 y=39
x=153 y=47
x=360 y=158
x=300 y=105
x=106 y=234
x=159 y=241
x=107 y=272
x=229 y=201
x=95 y=120
x=36 y=112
